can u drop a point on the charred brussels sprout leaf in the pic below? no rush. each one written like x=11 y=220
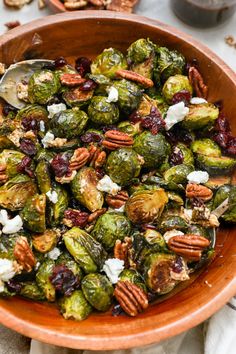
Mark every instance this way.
x=68 y=124
x=108 y=62
x=11 y=159
x=102 y=112
x=129 y=95
x=178 y=174
x=153 y=148
x=173 y=222
x=43 y=176
x=123 y=165
x=43 y=279
x=75 y=306
x=111 y=227
x=200 y=116
x=32 y=112
x=33 y=214
x=206 y=147
x=98 y=291
x=129 y=128
x=56 y=210
x=84 y=189
x=216 y=165
x=45 y=242
x=175 y=84
x=223 y=193
x=43 y=86
x=30 y=290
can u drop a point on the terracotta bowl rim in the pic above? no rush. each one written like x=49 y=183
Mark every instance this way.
x=57 y=5
x=186 y=321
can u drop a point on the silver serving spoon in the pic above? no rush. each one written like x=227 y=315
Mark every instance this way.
x=17 y=73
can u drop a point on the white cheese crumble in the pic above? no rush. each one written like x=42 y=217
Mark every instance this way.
x=175 y=114
x=42 y=126
x=10 y=226
x=120 y=210
x=197 y=100
x=2 y=287
x=22 y=91
x=43 y=77
x=106 y=185
x=169 y=234
x=48 y=139
x=52 y=196
x=56 y=108
x=198 y=177
x=54 y=253
x=113 y=267
x=113 y=95
x=7 y=270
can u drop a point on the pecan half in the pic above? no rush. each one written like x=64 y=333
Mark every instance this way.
x=18 y=4
x=93 y=217
x=75 y=4
x=188 y=246
x=121 y=250
x=3 y=175
x=71 y=79
x=96 y=2
x=115 y=139
x=133 y=76
x=79 y=159
x=197 y=82
x=118 y=200
x=23 y=254
x=131 y=298
x=194 y=190
x=122 y=5
x=97 y=157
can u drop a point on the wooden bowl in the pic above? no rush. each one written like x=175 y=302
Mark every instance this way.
x=56 y=6
x=87 y=33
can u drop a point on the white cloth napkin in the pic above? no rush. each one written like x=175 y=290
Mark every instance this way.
x=215 y=336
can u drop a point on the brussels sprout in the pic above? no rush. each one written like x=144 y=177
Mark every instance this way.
x=157 y=272
x=178 y=174
x=216 y=165
x=197 y=230
x=32 y=112
x=31 y=291
x=134 y=277
x=15 y=193
x=146 y=206
x=45 y=155
x=75 y=306
x=123 y=165
x=6 y=143
x=146 y=105
x=68 y=124
x=188 y=158
x=129 y=128
x=221 y=195
x=129 y=95
x=140 y=50
x=33 y=214
x=43 y=176
x=108 y=62
x=43 y=279
x=7 y=244
x=45 y=242
x=87 y=252
x=200 y=116
x=100 y=79
x=77 y=98
x=102 y=112
x=111 y=227
x=56 y=210
x=154 y=238
x=170 y=62
x=98 y=291
x=175 y=200
x=11 y=159
x=218 y=181
x=66 y=259
x=43 y=86
x=206 y=147
x=153 y=148
x=173 y=222
x=168 y=185
x=84 y=189
x=175 y=84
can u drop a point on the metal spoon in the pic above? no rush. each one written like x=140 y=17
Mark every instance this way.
x=15 y=74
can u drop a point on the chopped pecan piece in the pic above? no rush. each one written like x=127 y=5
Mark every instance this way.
x=122 y=5
x=79 y=159
x=2 y=71
x=132 y=76
x=24 y=254
x=18 y=4
x=97 y=156
x=93 y=217
x=96 y=2
x=188 y=246
x=118 y=200
x=3 y=175
x=75 y=4
x=194 y=190
x=197 y=82
x=131 y=298
x=71 y=79
x=115 y=139
x=121 y=250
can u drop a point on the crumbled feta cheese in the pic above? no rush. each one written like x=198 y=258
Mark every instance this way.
x=2 y=248
x=16 y=136
x=197 y=100
x=175 y=114
x=113 y=267
x=48 y=139
x=54 y=253
x=183 y=275
x=113 y=94
x=52 y=196
x=120 y=210
x=22 y=91
x=10 y=226
x=56 y=108
x=187 y=214
x=198 y=177
x=42 y=126
x=43 y=77
x=106 y=185
x=7 y=270
x=169 y=234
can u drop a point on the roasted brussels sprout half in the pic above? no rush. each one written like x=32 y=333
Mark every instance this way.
x=56 y=210
x=98 y=291
x=129 y=95
x=153 y=148
x=221 y=195
x=31 y=290
x=178 y=174
x=187 y=154
x=45 y=242
x=87 y=252
x=111 y=227
x=33 y=214
x=77 y=98
x=6 y=143
x=7 y=244
x=169 y=63
x=43 y=85
x=175 y=84
x=43 y=279
x=15 y=193
x=84 y=189
x=134 y=277
x=108 y=62
x=43 y=176
x=32 y=112
x=216 y=165
x=146 y=206
x=102 y=112
x=45 y=155
x=11 y=159
x=123 y=165
x=67 y=260
x=206 y=147
x=129 y=128
x=173 y=223
x=200 y=116
x=68 y=124
x=75 y=306
x=198 y=230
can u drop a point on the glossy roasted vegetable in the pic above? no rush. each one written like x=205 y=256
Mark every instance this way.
x=75 y=306
x=32 y=291
x=169 y=63
x=134 y=277
x=129 y=128
x=224 y=192
x=68 y=124
x=33 y=214
x=108 y=62
x=67 y=260
x=206 y=147
x=10 y=159
x=102 y=112
x=32 y=112
x=173 y=223
x=129 y=95
x=45 y=242
x=43 y=279
x=187 y=154
x=77 y=98
x=174 y=85
x=111 y=227
x=43 y=85
x=200 y=116
x=56 y=210
x=98 y=291
x=43 y=176
x=216 y=165
x=178 y=174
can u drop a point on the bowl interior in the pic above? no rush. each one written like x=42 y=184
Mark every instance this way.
x=86 y=34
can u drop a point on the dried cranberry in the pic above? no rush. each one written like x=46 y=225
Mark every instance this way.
x=88 y=85
x=91 y=137
x=13 y=286
x=25 y=166
x=64 y=280
x=154 y=121
x=82 y=65
x=100 y=173
x=60 y=62
x=178 y=133
x=182 y=96
x=231 y=148
x=221 y=139
x=7 y=109
x=60 y=165
x=77 y=217
x=135 y=117
x=30 y=124
x=28 y=147
x=177 y=267
x=222 y=124
x=151 y=296
x=176 y=157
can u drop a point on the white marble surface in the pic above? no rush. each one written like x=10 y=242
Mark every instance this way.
x=157 y=9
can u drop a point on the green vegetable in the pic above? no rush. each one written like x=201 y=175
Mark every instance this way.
x=43 y=279
x=206 y=147
x=178 y=174
x=33 y=214
x=129 y=95
x=102 y=112
x=174 y=85
x=68 y=124
x=75 y=306
x=43 y=85
x=108 y=62
x=216 y=165
x=200 y=116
